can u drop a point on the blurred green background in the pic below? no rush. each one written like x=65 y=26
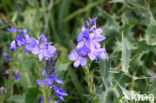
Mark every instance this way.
x=61 y=21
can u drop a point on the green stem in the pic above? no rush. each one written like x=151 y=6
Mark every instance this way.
x=9 y=85
x=89 y=79
x=81 y=10
x=42 y=89
x=1 y=97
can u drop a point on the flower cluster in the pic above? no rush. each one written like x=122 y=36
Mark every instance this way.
x=40 y=46
x=88 y=44
x=49 y=80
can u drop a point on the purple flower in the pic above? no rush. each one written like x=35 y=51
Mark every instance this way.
x=49 y=80
x=38 y=81
x=59 y=91
x=24 y=32
x=39 y=47
x=6 y=72
x=94 y=21
x=84 y=35
x=16 y=73
x=88 y=44
x=95 y=53
x=13 y=28
x=31 y=43
x=96 y=36
x=20 y=40
x=79 y=60
x=44 y=50
x=59 y=81
x=49 y=77
x=2 y=89
x=13 y=45
x=56 y=102
x=7 y=57
x=42 y=37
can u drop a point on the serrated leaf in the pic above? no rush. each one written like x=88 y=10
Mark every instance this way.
x=104 y=73
x=109 y=96
x=111 y=21
x=125 y=57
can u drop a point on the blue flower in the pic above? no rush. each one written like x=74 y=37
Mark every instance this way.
x=84 y=35
x=16 y=73
x=13 y=45
x=59 y=92
x=42 y=37
x=13 y=28
x=7 y=57
x=24 y=32
x=40 y=47
x=44 y=50
x=79 y=60
x=20 y=40
x=88 y=44
x=31 y=43
x=49 y=77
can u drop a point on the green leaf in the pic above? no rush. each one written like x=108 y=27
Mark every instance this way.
x=109 y=96
x=62 y=62
x=111 y=22
x=17 y=98
x=81 y=10
x=60 y=66
x=104 y=72
x=76 y=83
x=31 y=95
x=118 y=99
x=117 y=1
x=125 y=57
x=63 y=12
x=26 y=80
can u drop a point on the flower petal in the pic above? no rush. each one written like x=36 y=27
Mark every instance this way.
x=13 y=28
x=59 y=81
x=98 y=31
x=103 y=55
x=83 y=61
x=80 y=44
x=35 y=50
x=40 y=56
x=13 y=45
x=73 y=55
x=52 y=49
x=100 y=38
x=76 y=63
x=92 y=56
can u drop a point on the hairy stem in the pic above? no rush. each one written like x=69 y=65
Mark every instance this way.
x=42 y=89
x=89 y=79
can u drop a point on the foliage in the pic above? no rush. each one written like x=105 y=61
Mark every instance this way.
x=129 y=27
